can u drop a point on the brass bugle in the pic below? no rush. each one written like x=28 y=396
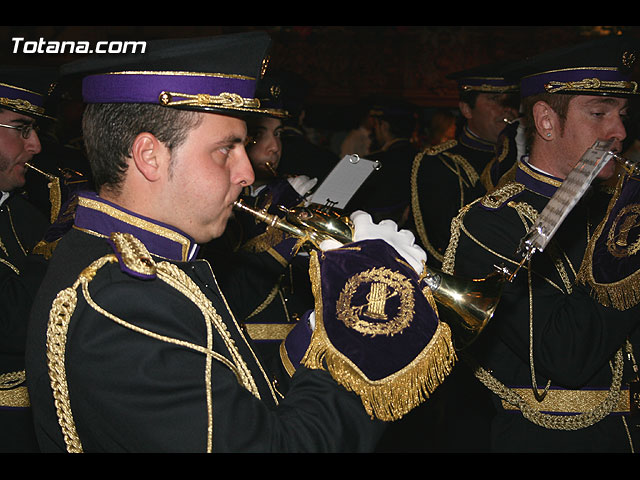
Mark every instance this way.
x=36 y=169
x=467 y=304
x=313 y=224
x=271 y=169
x=510 y=121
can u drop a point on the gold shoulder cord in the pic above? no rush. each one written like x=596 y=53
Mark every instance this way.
x=557 y=422
x=458 y=163
x=417 y=210
x=63 y=308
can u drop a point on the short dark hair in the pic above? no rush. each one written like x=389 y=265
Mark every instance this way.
x=109 y=130
x=559 y=103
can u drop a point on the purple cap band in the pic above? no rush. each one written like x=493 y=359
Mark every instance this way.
x=147 y=87
x=16 y=93
x=537 y=83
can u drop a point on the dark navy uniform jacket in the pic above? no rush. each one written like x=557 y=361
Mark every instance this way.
x=144 y=355
x=547 y=322
x=444 y=178
x=21 y=227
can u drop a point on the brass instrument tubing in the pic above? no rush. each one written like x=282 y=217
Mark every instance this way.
x=50 y=177
x=271 y=169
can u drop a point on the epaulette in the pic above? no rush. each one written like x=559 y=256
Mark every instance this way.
x=133 y=257
x=436 y=149
x=497 y=198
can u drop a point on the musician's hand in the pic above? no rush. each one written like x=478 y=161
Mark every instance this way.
x=302 y=184
x=403 y=241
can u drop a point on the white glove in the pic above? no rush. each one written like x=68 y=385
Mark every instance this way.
x=302 y=184
x=403 y=241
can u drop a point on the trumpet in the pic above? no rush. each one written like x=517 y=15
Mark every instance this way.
x=468 y=304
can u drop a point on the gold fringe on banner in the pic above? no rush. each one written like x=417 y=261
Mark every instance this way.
x=392 y=397
x=622 y=294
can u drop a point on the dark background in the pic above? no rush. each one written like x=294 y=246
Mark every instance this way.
x=344 y=64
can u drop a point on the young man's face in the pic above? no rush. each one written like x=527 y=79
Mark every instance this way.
x=590 y=118
x=15 y=151
x=265 y=147
x=487 y=118
x=209 y=171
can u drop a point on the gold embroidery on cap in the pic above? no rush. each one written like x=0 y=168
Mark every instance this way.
x=628 y=59
x=225 y=100
x=591 y=84
x=21 y=105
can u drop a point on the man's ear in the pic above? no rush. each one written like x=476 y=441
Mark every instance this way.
x=147 y=153
x=546 y=120
x=465 y=110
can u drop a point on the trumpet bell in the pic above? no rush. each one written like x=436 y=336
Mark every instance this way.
x=466 y=305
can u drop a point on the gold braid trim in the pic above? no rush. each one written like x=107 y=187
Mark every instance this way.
x=554 y=421
x=62 y=309
x=592 y=85
x=390 y=398
x=623 y=294
x=12 y=392
x=456 y=226
x=64 y=306
x=264 y=241
x=10 y=265
x=485 y=176
x=417 y=210
x=55 y=192
x=267 y=301
x=21 y=104
x=460 y=161
x=530 y=412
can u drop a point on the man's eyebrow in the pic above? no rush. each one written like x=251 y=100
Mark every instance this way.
x=607 y=101
x=231 y=140
x=23 y=121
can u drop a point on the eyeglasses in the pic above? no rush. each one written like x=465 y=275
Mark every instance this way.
x=25 y=130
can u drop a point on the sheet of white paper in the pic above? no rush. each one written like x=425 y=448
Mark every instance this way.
x=344 y=180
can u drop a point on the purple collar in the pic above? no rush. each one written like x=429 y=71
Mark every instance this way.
x=101 y=217
x=536 y=180
x=468 y=138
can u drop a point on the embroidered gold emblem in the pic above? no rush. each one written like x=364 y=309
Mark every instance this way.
x=377 y=316
x=623 y=240
x=628 y=59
